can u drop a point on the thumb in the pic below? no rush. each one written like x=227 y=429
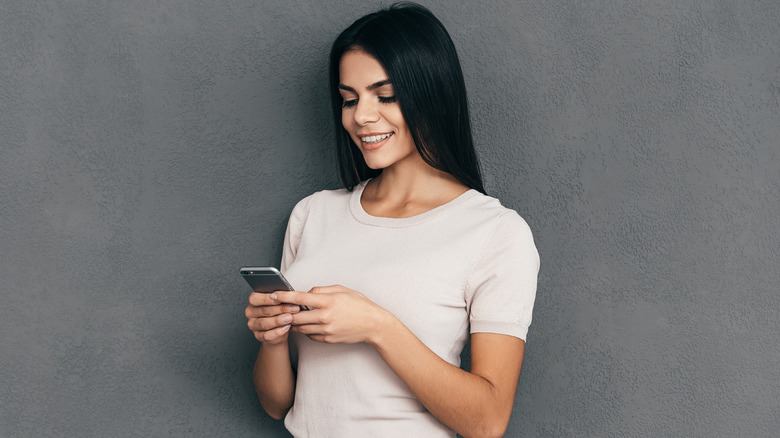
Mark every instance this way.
x=325 y=289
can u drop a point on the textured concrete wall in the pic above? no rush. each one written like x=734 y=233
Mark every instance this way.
x=149 y=149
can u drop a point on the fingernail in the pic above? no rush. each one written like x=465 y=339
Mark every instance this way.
x=274 y=297
x=293 y=309
x=286 y=319
x=285 y=329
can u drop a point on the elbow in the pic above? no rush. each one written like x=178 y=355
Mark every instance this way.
x=275 y=408
x=497 y=431
x=274 y=404
x=276 y=413
x=494 y=430
x=492 y=427
x=490 y=433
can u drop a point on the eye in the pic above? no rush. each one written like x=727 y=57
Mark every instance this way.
x=387 y=99
x=349 y=103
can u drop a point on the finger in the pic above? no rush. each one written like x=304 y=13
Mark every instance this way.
x=325 y=339
x=261 y=299
x=265 y=311
x=301 y=298
x=270 y=323
x=272 y=335
x=326 y=289
x=311 y=317
x=274 y=298
x=309 y=329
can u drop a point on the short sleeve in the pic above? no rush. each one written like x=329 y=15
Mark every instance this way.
x=501 y=288
x=292 y=237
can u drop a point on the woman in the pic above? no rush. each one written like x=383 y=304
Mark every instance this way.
x=436 y=261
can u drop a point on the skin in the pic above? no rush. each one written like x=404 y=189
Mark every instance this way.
x=475 y=403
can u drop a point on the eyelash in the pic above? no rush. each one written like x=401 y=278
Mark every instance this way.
x=382 y=99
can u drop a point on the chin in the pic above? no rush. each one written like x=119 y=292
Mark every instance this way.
x=374 y=165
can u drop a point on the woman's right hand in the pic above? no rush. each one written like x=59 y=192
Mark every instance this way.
x=268 y=320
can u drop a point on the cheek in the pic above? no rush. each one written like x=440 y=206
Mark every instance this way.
x=346 y=119
x=397 y=118
x=346 y=123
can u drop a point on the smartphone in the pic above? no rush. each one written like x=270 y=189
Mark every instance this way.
x=265 y=279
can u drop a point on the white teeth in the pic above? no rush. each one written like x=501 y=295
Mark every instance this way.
x=375 y=138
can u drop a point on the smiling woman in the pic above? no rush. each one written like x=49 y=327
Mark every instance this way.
x=419 y=59
x=371 y=114
x=418 y=258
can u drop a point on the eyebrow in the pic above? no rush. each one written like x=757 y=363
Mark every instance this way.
x=373 y=86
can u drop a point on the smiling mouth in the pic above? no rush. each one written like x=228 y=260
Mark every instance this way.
x=375 y=138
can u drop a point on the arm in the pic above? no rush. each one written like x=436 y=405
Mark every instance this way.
x=273 y=379
x=476 y=403
x=272 y=374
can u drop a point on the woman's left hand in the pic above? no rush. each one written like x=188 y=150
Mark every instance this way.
x=337 y=315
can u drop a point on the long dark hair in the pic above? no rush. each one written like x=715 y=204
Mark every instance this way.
x=421 y=62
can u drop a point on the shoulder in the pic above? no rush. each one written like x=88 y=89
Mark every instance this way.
x=322 y=197
x=505 y=234
x=321 y=201
x=494 y=215
x=501 y=285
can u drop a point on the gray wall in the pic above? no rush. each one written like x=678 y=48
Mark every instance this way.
x=149 y=149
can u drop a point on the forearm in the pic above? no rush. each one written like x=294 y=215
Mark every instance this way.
x=467 y=403
x=476 y=403
x=274 y=380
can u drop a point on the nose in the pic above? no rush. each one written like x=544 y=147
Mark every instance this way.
x=366 y=112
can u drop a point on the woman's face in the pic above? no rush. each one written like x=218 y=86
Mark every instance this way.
x=371 y=114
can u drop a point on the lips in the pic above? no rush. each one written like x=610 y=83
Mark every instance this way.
x=369 y=139
x=373 y=142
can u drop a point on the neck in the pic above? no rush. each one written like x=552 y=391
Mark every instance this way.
x=410 y=189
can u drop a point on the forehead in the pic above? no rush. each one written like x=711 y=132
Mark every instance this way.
x=358 y=69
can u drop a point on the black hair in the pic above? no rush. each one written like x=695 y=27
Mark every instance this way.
x=422 y=64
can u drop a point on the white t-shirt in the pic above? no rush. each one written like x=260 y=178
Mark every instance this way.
x=467 y=266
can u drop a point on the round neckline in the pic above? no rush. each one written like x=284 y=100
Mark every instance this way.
x=360 y=214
